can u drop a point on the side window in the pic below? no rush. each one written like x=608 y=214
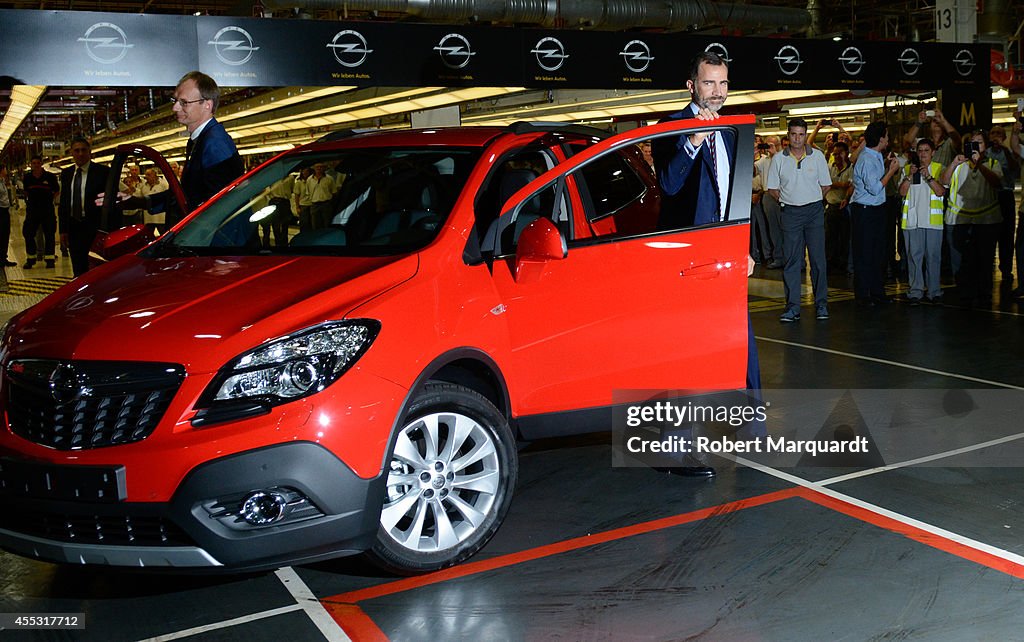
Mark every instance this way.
x=511 y=174
x=695 y=187
x=613 y=192
x=551 y=203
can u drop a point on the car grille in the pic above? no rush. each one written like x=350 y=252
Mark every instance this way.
x=109 y=530
x=73 y=405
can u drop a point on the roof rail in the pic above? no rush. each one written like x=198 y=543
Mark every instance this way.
x=525 y=126
x=337 y=134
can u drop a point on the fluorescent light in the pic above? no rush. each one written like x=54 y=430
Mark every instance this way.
x=24 y=99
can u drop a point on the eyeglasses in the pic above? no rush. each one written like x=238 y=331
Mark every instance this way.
x=185 y=103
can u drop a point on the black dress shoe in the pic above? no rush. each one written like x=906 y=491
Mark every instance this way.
x=865 y=303
x=9 y=264
x=881 y=300
x=706 y=472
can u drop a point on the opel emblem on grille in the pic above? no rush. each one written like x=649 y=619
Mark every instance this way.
x=63 y=383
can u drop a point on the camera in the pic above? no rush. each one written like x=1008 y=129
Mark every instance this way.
x=930 y=113
x=763 y=147
x=915 y=160
x=970 y=147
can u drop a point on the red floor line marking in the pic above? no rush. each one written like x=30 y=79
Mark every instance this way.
x=356 y=623
x=930 y=539
x=547 y=550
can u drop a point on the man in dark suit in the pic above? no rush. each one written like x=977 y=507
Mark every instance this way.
x=212 y=161
x=694 y=173
x=694 y=170
x=78 y=214
x=211 y=158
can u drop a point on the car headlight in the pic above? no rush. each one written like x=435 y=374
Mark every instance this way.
x=294 y=366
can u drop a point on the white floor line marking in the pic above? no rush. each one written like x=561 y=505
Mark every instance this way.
x=921 y=460
x=953 y=375
x=884 y=512
x=312 y=606
x=245 y=619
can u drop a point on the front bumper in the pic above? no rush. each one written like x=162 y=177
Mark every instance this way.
x=191 y=530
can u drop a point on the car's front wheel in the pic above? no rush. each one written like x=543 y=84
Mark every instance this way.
x=450 y=480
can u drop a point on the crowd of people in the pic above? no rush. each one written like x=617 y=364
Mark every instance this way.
x=925 y=208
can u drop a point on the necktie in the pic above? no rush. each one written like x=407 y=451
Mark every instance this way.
x=188 y=149
x=76 y=194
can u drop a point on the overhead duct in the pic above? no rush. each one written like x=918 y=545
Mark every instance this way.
x=591 y=14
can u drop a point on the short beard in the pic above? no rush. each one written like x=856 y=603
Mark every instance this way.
x=707 y=104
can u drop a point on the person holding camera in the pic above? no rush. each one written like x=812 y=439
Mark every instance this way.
x=973 y=218
x=1010 y=164
x=922 y=222
x=945 y=138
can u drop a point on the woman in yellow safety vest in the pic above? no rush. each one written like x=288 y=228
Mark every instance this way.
x=922 y=222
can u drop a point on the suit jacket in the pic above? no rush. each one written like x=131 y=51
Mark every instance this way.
x=689 y=186
x=213 y=164
x=95 y=183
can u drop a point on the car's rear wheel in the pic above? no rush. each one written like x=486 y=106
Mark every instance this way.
x=450 y=481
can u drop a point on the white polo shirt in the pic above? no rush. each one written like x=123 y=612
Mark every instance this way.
x=799 y=182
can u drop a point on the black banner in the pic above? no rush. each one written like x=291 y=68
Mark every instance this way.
x=75 y=48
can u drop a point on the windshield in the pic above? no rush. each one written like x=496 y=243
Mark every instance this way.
x=359 y=201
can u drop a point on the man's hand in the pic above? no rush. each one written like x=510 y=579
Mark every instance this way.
x=703 y=113
x=939 y=118
x=750 y=265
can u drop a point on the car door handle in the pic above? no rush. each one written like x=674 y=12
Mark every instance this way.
x=707 y=270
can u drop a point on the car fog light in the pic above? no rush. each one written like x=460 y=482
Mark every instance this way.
x=263 y=507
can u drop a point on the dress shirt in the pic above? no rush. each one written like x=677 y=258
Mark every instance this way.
x=868 y=172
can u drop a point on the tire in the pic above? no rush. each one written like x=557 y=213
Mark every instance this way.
x=450 y=480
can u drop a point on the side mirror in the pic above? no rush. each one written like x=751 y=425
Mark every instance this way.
x=539 y=242
x=110 y=245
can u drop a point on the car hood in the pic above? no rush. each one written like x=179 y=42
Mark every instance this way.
x=198 y=311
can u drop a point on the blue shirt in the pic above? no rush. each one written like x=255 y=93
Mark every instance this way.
x=868 y=172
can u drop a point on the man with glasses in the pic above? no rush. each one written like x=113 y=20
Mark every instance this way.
x=211 y=158
x=212 y=161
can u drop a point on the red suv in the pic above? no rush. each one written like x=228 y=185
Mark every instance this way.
x=212 y=400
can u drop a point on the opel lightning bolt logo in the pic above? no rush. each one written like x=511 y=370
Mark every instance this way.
x=964 y=62
x=910 y=61
x=63 y=383
x=852 y=60
x=550 y=53
x=349 y=48
x=455 y=51
x=719 y=49
x=789 y=60
x=637 y=56
x=106 y=43
x=234 y=45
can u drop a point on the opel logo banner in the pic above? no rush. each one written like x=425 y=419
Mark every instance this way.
x=637 y=56
x=550 y=53
x=233 y=45
x=455 y=51
x=106 y=43
x=84 y=49
x=350 y=48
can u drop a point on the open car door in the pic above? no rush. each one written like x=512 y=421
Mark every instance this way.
x=642 y=301
x=119 y=235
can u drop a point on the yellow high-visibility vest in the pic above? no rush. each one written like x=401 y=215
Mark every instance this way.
x=934 y=200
